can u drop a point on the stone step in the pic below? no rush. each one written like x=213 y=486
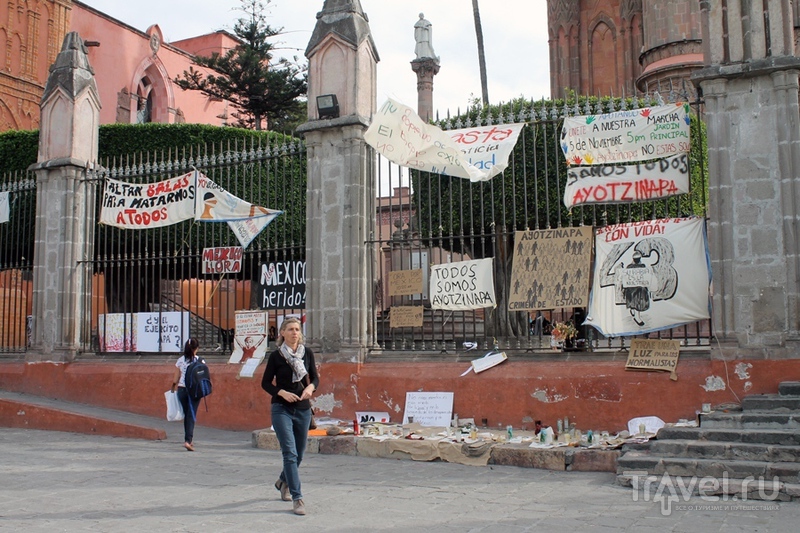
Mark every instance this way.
x=751 y=420
x=646 y=463
x=664 y=488
x=763 y=402
x=789 y=388
x=703 y=449
x=748 y=436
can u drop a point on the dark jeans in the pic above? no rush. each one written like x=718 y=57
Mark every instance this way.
x=291 y=428
x=190 y=406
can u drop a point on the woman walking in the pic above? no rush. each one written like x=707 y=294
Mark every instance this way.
x=291 y=378
x=189 y=404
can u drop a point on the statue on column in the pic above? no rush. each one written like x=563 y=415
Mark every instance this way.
x=423 y=36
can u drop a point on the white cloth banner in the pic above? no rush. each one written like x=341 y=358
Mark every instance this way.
x=463 y=285
x=476 y=154
x=5 y=208
x=148 y=205
x=649 y=276
x=626 y=136
x=604 y=184
x=193 y=195
x=215 y=204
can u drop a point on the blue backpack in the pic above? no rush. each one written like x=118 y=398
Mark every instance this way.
x=198 y=381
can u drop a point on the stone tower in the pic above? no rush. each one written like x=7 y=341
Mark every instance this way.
x=616 y=47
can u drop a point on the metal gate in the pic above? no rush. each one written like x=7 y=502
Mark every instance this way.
x=428 y=219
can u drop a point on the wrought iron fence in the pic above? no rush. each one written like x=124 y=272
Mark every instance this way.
x=18 y=201
x=426 y=219
x=141 y=278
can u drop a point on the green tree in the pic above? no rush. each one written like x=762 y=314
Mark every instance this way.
x=248 y=76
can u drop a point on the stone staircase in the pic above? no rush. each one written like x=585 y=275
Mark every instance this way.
x=752 y=453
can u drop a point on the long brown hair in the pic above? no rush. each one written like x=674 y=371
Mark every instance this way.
x=188 y=350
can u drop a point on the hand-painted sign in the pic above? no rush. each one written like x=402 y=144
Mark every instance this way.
x=652 y=354
x=626 y=136
x=463 y=285
x=603 y=184
x=477 y=154
x=649 y=276
x=193 y=195
x=162 y=332
x=282 y=285
x=250 y=338
x=551 y=269
x=148 y=205
x=222 y=260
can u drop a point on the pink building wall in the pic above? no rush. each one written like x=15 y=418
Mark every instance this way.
x=131 y=65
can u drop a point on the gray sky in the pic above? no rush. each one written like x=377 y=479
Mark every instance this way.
x=515 y=38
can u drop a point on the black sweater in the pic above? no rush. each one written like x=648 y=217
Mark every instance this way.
x=278 y=375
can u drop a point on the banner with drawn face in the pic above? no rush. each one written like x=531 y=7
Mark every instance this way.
x=649 y=276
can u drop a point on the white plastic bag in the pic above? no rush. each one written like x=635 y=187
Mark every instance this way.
x=174 y=409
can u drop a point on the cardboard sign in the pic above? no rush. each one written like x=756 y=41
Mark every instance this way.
x=250 y=340
x=429 y=408
x=372 y=416
x=660 y=355
x=409 y=316
x=552 y=268
x=405 y=282
x=222 y=260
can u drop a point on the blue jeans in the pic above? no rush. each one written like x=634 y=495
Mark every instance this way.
x=291 y=428
x=190 y=406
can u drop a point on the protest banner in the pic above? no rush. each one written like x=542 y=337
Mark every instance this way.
x=463 y=285
x=250 y=336
x=650 y=275
x=405 y=282
x=603 y=184
x=406 y=316
x=551 y=269
x=646 y=354
x=222 y=260
x=477 y=153
x=162 y=332
x=626 y=136
x=282 y=285
x=429 y=408
x=148 y=205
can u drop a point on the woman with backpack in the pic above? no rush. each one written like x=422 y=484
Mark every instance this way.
x=291 y=378
x=188 y=403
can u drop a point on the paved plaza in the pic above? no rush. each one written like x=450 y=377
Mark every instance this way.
x=68 y=482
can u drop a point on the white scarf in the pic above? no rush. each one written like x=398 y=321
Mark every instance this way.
x=295 y=360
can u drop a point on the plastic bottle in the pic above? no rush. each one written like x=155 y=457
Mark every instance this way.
x=510 y=432
x=355 y=427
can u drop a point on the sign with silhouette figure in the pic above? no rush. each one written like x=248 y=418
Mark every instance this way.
x=649 y=276
x=551 y=269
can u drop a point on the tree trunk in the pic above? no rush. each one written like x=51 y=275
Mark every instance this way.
x=481 y=52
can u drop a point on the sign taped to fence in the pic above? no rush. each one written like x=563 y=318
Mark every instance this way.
x=282 y=285
x=551 y=269
x=604 y=184
x=405 y=282
x=5 y=208
x=170 y=328
x=649 y=276
x=476 y=154
x=463 y=285
x=406 y=316
x=148 y=205
x=626 y=136
x=647 y=354
x=222 y=260
x=250 y=336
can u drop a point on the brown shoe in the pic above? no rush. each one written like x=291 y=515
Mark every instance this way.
x=299 y=507
x=282 y=486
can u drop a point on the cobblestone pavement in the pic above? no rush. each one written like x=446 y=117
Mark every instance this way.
x=54 y=481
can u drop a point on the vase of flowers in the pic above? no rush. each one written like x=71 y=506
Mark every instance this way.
x=564 y=334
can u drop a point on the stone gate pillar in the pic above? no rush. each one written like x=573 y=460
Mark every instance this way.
x=750 y=86
x=341 y=182
x=68 y=142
